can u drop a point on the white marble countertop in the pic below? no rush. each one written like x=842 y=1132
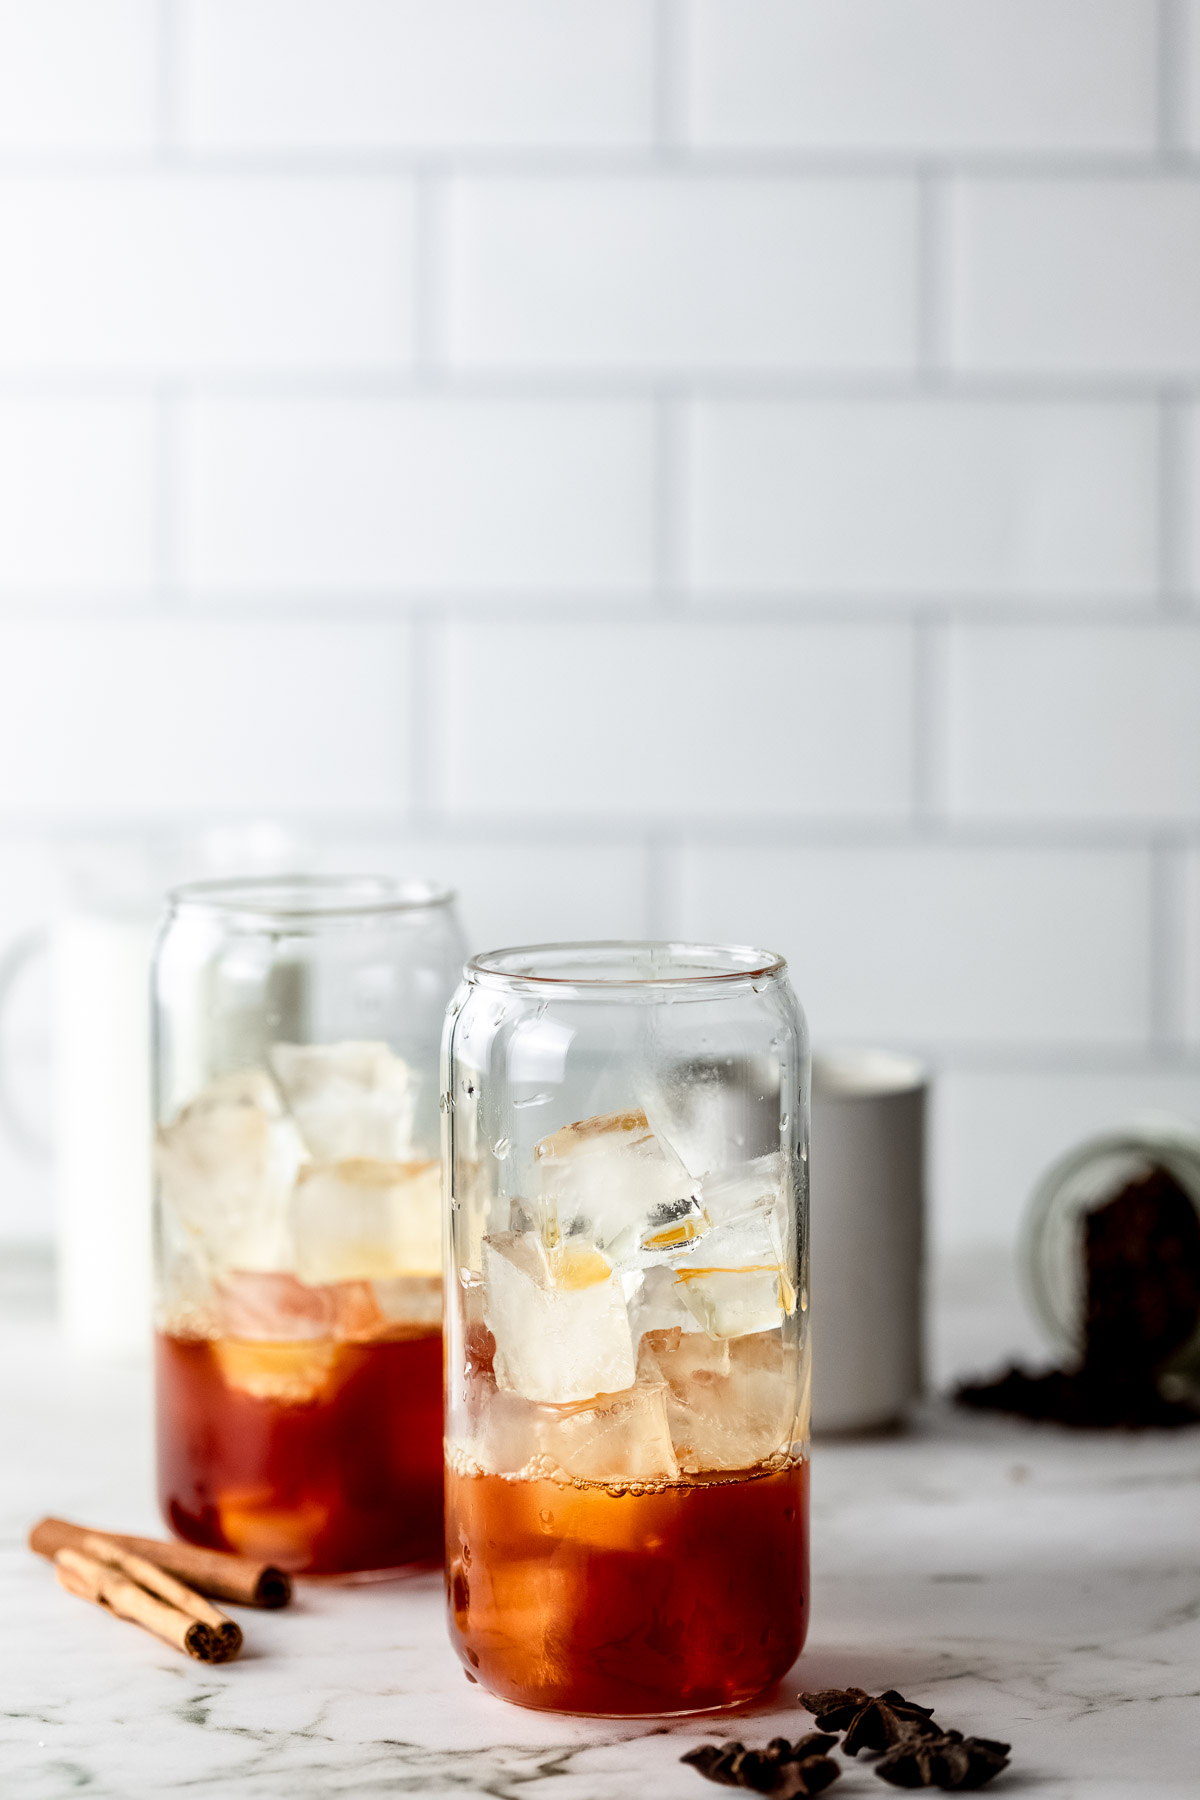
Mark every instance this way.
x=1031 y=1584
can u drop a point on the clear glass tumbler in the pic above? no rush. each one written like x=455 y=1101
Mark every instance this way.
x=299 y=1218
x=627 y=1358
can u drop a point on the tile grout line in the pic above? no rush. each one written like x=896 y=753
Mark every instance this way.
x=165 y=509
x=930 y=674
x=1171 y=82
x=425 y=648
x=429 y=322
x=1172 y=509
x=1168 y=937
x=668 y=502
x=660 y=908
x=168 y=61
x=669 y=75
x=933 y=277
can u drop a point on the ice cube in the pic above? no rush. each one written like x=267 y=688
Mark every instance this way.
x=498 y=1430
x=730 y=1405
x=361 y=1220
x=617 y=1437
x=688 y=1110
x=226 y=1167
x=610 y=1182
x=752 y=1187
x=625 y=1437
x=252 y=1522
x=558 y=1317
x=414 y=1300
x=349 y=1100
x=295 y=1374
x=258 y=1307
x=657 y=1303
x=736 y=1282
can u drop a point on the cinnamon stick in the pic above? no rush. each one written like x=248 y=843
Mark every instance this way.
x=108 y=1587
x=184 y=1599
x=212 y=1572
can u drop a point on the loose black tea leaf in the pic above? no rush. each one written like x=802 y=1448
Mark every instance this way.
x=870 y=1721
x=784 y=1769
x=945 y=1760
x=1141 y=1257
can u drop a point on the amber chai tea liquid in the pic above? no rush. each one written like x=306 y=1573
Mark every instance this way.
x=319 y=1455
x=647 y=1598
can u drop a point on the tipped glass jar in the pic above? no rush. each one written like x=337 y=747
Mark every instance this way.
x=298 y=1218
x=626 y=1310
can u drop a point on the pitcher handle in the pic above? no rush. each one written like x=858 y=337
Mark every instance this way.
x=13 y=961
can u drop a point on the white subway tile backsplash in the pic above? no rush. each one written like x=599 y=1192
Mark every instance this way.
x=951 y=498
x=995 y=1135
x=199 y=272
x=665 y=272
x=645 y=352
x=1010 y=75
x=1076 y=275
x=354 y=74
x=655 y=721
x=1074 y=723
x=928 y=944
x=514 y=890
x=329 y=496
x=77 y=488
x=78 y=75
x=131 y=719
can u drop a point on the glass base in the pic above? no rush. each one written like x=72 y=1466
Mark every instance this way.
x=722 y=1711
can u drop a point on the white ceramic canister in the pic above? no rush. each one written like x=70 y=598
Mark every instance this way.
x=867 y=1238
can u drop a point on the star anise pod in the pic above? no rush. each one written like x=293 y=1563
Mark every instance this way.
x=870 y=1721
x=945 y=1760
x=784 y=1769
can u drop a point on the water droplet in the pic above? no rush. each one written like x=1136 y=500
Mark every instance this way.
x=445 y=1103
x=534 y=1100
x=546 y=1517
x=501 y=1148
x=785 y=1120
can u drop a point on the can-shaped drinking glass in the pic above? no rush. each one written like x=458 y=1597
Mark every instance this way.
x=627 y=1357
x=298 y=1217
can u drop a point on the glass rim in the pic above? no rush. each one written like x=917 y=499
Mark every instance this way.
x=727 y=964
x=307 y=896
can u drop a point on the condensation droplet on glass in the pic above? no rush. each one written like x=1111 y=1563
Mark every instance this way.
x=803 y=1299
x=501 y=1148
x=445 y=1103
x=546 y=1518
x=785 y=1120
x=533 y=1100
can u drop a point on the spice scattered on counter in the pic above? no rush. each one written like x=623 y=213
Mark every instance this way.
x=784 y=1768
x=910 y=1750
x=870 y=1721
x=945 y=1760
x=1141 y=1265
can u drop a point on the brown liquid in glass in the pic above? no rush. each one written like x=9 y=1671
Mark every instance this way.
x=320 y=1456
x=686 y=1596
